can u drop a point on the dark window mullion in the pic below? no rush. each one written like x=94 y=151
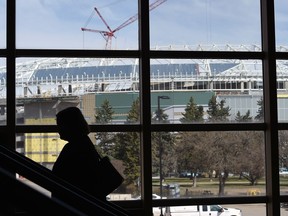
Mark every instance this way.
x=269 y=78
x=10 y=71
x=144 y=69
x=270 y=106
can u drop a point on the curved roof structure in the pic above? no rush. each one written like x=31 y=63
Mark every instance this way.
x=79 y=75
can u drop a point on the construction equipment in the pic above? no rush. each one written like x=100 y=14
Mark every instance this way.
x=108 y=35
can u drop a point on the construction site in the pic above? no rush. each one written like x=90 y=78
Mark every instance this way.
x=45 y=86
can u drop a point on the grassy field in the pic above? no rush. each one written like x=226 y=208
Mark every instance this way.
x=205 y=186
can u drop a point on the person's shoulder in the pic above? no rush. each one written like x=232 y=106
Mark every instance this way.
x=87 y=141
x=67 y=147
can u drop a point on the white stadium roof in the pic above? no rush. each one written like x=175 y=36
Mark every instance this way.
x=87 y=74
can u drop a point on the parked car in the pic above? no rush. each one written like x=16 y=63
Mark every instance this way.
x=283 y=171
x=200 y=210
x=185 y=175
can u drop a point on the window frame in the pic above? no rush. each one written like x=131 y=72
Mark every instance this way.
x=270 y=126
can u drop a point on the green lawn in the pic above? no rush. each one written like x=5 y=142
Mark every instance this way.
x=234 y=186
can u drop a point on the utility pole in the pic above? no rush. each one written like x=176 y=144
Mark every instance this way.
x=159 y=118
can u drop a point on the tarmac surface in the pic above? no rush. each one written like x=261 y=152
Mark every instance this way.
x=247 y=209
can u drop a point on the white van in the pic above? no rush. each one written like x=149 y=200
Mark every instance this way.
x=201 y=210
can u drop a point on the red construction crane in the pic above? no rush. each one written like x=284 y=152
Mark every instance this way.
x=107 y=35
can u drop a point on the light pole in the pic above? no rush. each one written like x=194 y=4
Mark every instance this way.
x=159 y=118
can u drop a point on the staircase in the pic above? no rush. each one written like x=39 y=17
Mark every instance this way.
x=20 y=199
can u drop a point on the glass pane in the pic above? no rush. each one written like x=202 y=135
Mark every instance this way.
x=198 y=90
x=3 y=91
x=123 y=148
x=105 y=88
x=77 y=25
x=282 y=86
x=284 y=209
x=281 y=22
x=43 y=148
x=2 y=24
x=283 y=161
x=202 y=25
x=208 y=164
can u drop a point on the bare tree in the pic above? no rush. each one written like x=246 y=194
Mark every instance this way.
x=222 y=152
x=251 y=159
x=192 y=152
x=283 y=148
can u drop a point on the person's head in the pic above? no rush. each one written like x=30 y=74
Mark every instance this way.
x=71 y=124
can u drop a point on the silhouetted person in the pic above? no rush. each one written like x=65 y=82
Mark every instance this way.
x=76 y=162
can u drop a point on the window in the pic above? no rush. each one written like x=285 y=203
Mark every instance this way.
x=173 y=75
x=2 y=24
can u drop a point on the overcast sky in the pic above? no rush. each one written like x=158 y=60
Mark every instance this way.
x=57 y=23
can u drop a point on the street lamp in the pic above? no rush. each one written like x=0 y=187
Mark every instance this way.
x=159 y=118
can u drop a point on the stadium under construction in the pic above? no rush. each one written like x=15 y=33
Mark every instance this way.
x=44 y=86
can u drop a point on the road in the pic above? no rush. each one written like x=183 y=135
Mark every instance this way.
x=247 y=209
x=255 y=209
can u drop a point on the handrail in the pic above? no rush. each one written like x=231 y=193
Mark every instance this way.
x=16 y=194
x=42 y=176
